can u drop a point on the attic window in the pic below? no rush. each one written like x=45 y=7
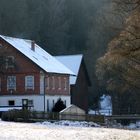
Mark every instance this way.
x=10 y=62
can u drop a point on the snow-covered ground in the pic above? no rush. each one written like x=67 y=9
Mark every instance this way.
x=57 y=131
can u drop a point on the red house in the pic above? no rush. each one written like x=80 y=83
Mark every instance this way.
x=28 y=74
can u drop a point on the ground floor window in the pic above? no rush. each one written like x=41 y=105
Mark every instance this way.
x=30 y=103
x=53 y=103
x=11 y=102
x=48 y=106
x=65 y=102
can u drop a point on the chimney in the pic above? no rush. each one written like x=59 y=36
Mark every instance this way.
x=33 y=45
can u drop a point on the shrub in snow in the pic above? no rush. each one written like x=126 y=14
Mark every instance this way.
x=10 y=115
x=14 y=115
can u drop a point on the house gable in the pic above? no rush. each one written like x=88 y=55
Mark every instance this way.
x=23 y=66
x=39 y=56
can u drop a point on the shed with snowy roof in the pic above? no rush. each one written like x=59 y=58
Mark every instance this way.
x=72 y=112
x=80 y=82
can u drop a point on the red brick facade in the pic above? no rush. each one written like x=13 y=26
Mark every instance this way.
x=58 y=83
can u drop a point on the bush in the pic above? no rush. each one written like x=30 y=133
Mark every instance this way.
x=15 y=115
x=10 y=115
x=59 y=106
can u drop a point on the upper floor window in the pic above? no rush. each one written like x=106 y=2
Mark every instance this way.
x=65 y=84
x=47 y=82
x=29 y=82
x=10 y=61
x=59 y=82
x=11 y=82
x=53 y=82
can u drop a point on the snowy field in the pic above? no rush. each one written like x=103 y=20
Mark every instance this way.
x=75 y=131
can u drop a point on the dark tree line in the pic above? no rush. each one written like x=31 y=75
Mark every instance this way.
x=62 y=27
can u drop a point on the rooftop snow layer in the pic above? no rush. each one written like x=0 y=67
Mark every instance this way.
x=39 y=56
x=73 y=62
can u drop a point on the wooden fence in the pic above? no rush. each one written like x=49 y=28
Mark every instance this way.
x=73 y=117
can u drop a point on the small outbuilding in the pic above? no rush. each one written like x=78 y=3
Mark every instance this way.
x=72 y=113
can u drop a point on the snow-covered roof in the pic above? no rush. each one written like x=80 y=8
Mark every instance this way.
x=72 y=109
x=73 y=62
x=39 y=56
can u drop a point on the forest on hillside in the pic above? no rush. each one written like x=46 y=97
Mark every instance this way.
x=119 y=69
x=65 y=27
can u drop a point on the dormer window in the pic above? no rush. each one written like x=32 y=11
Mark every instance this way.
x=10 y=62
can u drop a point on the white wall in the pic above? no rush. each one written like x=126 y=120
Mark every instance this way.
x=38 y=101
x=65 y=99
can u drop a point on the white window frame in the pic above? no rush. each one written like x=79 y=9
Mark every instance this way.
x=11 y=86
x=65 y=84
x=53 y=82
x=31 y=102
x=47 y=82
x=59 y=83
x=29 y=82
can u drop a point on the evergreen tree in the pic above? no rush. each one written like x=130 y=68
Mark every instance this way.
x=59 y=105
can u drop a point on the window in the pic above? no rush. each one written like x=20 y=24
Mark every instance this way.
x=65 y=84
x=53 y=103
x=48 y=109
x=30 y=102
x=65 y=102
x=59 y=83
x=11 y=102
x=29 y=82
x=47 y=83
x=9 y=61
x=2 y=60
x=11 y=83
x=53 y=82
